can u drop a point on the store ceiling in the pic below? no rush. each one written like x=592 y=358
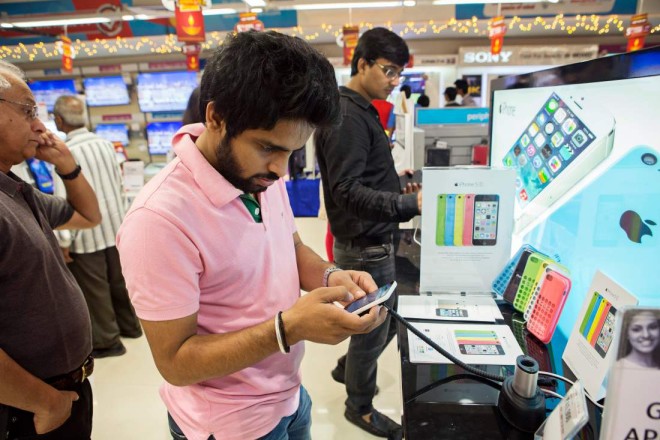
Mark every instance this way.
x=422 y=21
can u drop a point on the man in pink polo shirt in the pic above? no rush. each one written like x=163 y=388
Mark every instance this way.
x=212 y=259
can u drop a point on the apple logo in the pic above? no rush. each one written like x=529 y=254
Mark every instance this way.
x=634 y=227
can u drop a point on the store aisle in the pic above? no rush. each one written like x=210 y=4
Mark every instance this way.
x=127 y=405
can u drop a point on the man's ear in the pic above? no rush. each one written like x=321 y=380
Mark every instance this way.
x=362 y=65
x=213 y=122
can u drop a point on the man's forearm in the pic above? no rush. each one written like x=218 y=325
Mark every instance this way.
x=19 y=388
x=310 y=267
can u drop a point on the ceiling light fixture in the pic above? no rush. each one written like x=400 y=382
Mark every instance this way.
x=219 y=11
x=61 y=22
x=355 y=5
x=255 y=3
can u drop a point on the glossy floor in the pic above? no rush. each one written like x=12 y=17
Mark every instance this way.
x=127 y=405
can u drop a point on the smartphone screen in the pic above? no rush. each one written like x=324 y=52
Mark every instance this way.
x=485 y=220
x=481 y=349
x=554 y=138
x=382 y=292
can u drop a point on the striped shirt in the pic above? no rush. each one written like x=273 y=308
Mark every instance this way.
x=98 y=160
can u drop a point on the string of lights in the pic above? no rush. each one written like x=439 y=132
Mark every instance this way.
x=595 y=24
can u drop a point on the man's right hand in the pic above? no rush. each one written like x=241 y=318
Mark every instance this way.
x=53 y=413
x=315 y=317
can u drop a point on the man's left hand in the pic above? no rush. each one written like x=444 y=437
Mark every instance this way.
x=53 y=150
x=357 y=282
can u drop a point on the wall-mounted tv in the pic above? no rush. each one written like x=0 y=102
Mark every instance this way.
x=165 y=91
x=108 y=90
x=113 y=132
x=416 y=82
x=159 y=136
x=49 y=90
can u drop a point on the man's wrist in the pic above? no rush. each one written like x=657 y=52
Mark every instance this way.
x=75 y=172
x=326 y=275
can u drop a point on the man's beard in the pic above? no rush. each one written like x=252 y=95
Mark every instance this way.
x=227 y=165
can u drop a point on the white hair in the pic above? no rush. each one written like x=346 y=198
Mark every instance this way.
x=71 y=110
x=9 y=69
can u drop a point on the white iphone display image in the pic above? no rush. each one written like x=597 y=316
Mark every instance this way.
x=564 y=141
x=371 y=299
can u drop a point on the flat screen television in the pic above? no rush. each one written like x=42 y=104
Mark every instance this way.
x=416 y=82
x=165 y=91
x=583 y=139
x=159 y=136
x=113 y=132
x=49 y=90
x=108 y=90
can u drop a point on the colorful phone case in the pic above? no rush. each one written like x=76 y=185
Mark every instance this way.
x=468 y=219
x=552 y=266
x=591 y=310
x=502 y=280
x=534 y=268
x=553 y=291
x=440 y=221
x=449 y=219
x=459 y=219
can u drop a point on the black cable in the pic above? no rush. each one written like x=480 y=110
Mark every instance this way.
x=441 y=350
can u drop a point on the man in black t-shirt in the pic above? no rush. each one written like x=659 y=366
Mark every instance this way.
x=45 y=333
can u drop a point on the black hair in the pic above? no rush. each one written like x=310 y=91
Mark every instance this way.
x=192 y=115
x=450 y=93
x=255 y=79
x=462 y=85
x=423 y=100
x=380 y=43
x=406 y=89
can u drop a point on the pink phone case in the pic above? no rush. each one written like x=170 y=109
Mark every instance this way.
x=549 y=304
x=468 y=219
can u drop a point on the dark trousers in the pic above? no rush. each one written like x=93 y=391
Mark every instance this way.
x=102 y=283
x=78 y=426
x=363 y=351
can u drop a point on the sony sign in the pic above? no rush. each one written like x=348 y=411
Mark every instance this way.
x=483 y=57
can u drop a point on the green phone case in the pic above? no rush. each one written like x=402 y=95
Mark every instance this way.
x=440 y=221
x=534 y=269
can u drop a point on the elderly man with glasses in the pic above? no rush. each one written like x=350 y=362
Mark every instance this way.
x=45 y=333
x=365 y=203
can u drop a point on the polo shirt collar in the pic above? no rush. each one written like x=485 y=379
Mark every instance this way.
x=213 y=184
x=75 y=132
x=10 y=183
x=355 y=97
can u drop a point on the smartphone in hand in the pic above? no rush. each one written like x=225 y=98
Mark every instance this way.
x=371 y=299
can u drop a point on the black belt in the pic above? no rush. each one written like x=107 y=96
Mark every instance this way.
x=69 y=380
x=367 y=241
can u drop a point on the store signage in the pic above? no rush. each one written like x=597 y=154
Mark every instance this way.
x=192 y=56
x=637 y=31
x=67 y=54
x=436 y=60
x=120 y=117
x=351 y=35
x=189 y=22
x=439 y=116
x=248 y=21
x=527 y=55
x=165 y=65
x=496 y=34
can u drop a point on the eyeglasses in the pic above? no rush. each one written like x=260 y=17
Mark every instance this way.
x=31 y=111
x=390 y=72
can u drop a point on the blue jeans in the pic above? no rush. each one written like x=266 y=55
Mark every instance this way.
x=297 y=426
x=364 y=350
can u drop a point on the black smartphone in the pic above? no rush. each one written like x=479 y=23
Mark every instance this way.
x=486 y=208
x=514 y=283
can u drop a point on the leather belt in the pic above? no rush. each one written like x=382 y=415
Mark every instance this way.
x=71 y=379
x=367 y=241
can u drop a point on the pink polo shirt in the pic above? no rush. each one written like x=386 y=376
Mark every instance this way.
x=187 y=245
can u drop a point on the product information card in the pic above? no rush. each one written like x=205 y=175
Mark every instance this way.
x=450 y=307
x=467 y=223
x=588 y=353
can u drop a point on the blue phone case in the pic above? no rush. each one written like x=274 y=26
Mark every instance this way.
x=450 y=215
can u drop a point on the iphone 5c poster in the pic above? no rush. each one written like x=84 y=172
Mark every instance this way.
x=589 y=351
x=467 y=223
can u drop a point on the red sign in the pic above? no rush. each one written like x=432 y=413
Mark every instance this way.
x=120 y=117
x=67 y=54
x=192 y=56
x=248 y=21
x=351 y=36
x=189 y=26
x=637 y=31
x=496 y=34
x=110 y=68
